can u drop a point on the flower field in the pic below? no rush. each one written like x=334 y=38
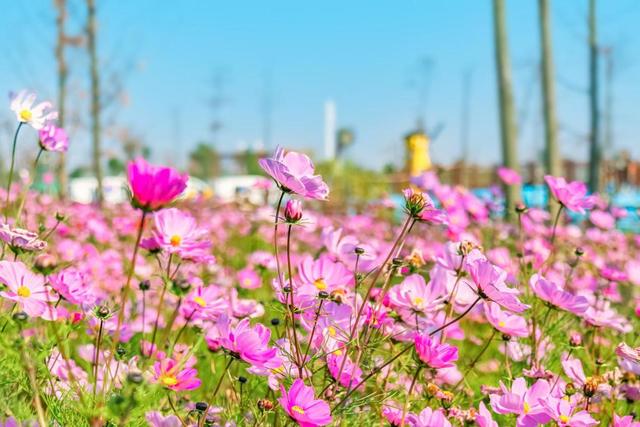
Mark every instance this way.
x=172 y=312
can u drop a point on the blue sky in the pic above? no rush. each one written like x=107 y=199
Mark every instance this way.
x=362 y=54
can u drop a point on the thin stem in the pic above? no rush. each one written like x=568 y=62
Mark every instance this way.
x=292 y=306
x=155 y=325
x=446 y=325
x=188 y=319
x=406 y=403
x=215 y=391
x=173 y=408
x=275 y=239
x=313 y=331
x=10 y=180
x=96 y=355
x=476 y=359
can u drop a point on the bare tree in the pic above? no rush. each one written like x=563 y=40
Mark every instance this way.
x=95 y=97
x=508 y=129
x=594 y=137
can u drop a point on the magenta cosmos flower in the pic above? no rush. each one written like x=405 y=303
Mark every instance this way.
x=628 y=358
x=53 y=138
x=153 y=187
x=37 y=116
x=556 y=296
x=294 y=173
x=434 y=354
x=303 y=408
x=428 y=418
x=572 y=195
x=169 y=374
x=246 y=343
x=25 y=288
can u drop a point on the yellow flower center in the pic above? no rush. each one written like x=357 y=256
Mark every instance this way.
x=24 y=292
x=26 y=115
x=198 y=300
x=168 y=380
x=320 y=284
x=417 y=301
x=338 y=352
x=526 y=408
x=502 y=325
x=298 y=409
x=564 y=419
x=247 y=282
x=332 y=331
x=175 y=240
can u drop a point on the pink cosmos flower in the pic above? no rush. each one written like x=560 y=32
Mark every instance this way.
x=156 y=419
x=36 y=116
x=507 y=323
x=293 y=211
x=299 y=403
x=626 y=421
x=21 y=239
x=413 y=294
x=490 y=281
x=72 y=285
x=392 y=412
x=249 y=279
x=246 y=343
x=26 y=289
x=509 y=176
x=484 y=417
x=434 y=354
x=205 y=303
x=556 y=296
x=53 y=138
x=350 y=373
x=176 y=232
x=565 y=415
x=294 y=173
x=153 y=187
x=628 y=358
x=428 y=418
x=169 y=374
x=523 y=401
x=324 y=274
x=572 y=196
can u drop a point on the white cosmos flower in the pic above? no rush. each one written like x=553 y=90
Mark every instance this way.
x=37 y=116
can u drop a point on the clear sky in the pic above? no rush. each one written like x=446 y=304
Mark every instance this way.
x=365 y=55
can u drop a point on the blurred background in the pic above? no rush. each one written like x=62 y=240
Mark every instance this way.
x=376 y=92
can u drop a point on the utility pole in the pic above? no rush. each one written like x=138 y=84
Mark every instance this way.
x=594 y=136
x=61 y=7
x=553 y=161
x=508 y=129
x=95 y=97
x=465 y=119
x=609 y=72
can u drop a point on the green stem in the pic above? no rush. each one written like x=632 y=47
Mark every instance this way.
x=10 y=180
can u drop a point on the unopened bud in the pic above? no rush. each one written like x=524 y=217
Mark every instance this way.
x=323 y=295
x=201 y=406
x=358 y=250
x=293 y=211
x=521 y=208
x=579 y=252
x=135 y=378
x=20 y=316
x=145 y=285
x=275 y=321
x=102 y=312
x=265 y=405
x=414 y=202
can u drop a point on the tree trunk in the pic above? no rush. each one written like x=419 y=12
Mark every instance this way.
x=62 y=89
x=594 y=140
x=508 y=130
x=95 y=97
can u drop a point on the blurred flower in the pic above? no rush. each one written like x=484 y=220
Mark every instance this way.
x=428 y=418
x=294 y=173
x=176 y=232
x=350 y=373
x=553 y=294
x=628 y=358
x=509 y=176
x=153 y=187
x=53 y=138
x=36 y=116
x=572 y=196
x=302 y=407
x=19 y=238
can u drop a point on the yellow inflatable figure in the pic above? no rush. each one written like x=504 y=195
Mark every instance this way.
x=418 y=159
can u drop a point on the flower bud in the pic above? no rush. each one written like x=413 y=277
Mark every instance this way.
x=590 y=386
x=323 y=295
x=521 y=208
x=570 y=389
x=20 y=316
x=135 y=377
x=414 y=201
x=242 y=380
x=293 y=211
x=60 y=216
x=275 y=321
x=144 y=285
x=45 y=263
x=575 y=339
x=579 y=251
x=102 y=312
x=358 y=250
x=201 y=406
